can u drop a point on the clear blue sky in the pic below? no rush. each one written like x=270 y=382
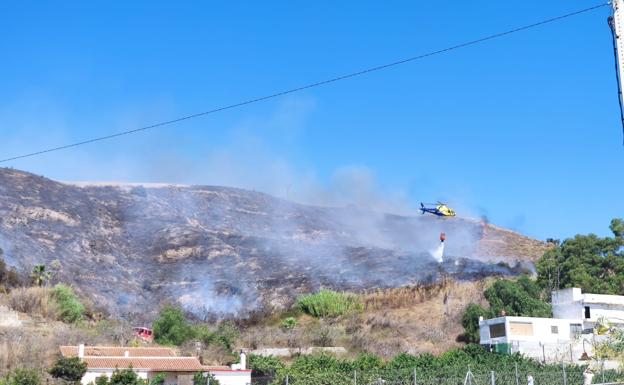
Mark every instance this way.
x=524 y=129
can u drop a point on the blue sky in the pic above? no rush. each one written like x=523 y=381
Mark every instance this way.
x=524 y=129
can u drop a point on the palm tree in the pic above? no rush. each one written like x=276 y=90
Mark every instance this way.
x=40 y=275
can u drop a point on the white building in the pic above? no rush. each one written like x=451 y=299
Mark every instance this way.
x=568 y=336
x=573 y=304
x=149 y=362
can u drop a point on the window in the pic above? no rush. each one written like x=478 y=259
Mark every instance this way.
x=587 y=312
x=554 y=329
x=521 y=328
x=575 y=330
x=497 y=330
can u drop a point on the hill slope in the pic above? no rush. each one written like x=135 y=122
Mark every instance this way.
x=219 y=250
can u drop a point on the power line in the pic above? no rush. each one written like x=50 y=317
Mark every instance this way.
x=311 y=85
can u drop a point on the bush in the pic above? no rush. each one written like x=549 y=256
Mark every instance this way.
x=470 y=322
x=9 y=277
x=172 y=328
x=34 y=301
x=125 y=377
x=158 y=379
x=264 y=366
x=201 y=378
x=70 y=308
x=24 y=377
x=289 y=323
x=69 y=369
x=329 y=303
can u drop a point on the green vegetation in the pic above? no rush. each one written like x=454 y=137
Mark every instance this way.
x=68 y=369
x=158 y=379
x=289 y=323
x=329 y=303
x=201 y=378
x=450 y=366
x=70 y=308
x=522 y=297
x=40 y=275
x=264 y=366
x=587 y=261
x=23 y=377
x=172 y=328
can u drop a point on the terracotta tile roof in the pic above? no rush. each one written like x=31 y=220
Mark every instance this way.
x=111 y=351
x=160 y=364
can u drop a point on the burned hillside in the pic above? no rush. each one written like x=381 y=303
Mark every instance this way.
x=228 y=251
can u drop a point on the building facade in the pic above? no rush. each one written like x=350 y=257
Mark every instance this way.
x=150 y=362
x=568 y=336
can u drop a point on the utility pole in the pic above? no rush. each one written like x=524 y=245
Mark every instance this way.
x=616 y=23
x=618 y=27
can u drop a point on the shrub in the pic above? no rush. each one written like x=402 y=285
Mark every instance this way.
x=172 y=328
x=101 y=380
x=158 y=379
x=70 y=308
x=125 y=377
x=289 y=323
x=69 y=369
x=34 y=301
x=24 y=377
x=201 y=378
x=264 y=366
x=329 y=303
x=470 y=322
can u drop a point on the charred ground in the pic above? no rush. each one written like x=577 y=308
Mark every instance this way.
x=229 y=251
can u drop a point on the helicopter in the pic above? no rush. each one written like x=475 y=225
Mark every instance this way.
x=440 y=209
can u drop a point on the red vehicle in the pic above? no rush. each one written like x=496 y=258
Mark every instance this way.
x=144 y=333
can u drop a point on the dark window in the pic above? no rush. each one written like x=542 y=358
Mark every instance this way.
x=497 y=330
x=587 y=312
x=554 y=329
x=575 y=330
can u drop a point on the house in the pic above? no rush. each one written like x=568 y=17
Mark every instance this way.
x=568 y=336
x=574 y=304
x=148 y=362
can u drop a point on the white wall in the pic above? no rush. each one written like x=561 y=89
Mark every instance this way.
x=233 y=377
x=92 y=374
x=571 y=303
x=542 y=331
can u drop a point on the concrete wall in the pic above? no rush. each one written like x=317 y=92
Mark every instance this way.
x=234 y=377
x=541 y=330
x=571 y=303
x=92 y=374
x=287 y=352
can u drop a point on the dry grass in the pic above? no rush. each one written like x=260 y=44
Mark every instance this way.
x=35 y=301
x=414 y=319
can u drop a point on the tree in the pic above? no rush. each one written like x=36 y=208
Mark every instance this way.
x=470 y=322
x=158 y=379
x=171 y=327
x=40 y=275
x=69 y=369
x=517 y=298
x=24 y=377
x=71 y=309
x=590 y=262
x=125 y=377
x=522 y=297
